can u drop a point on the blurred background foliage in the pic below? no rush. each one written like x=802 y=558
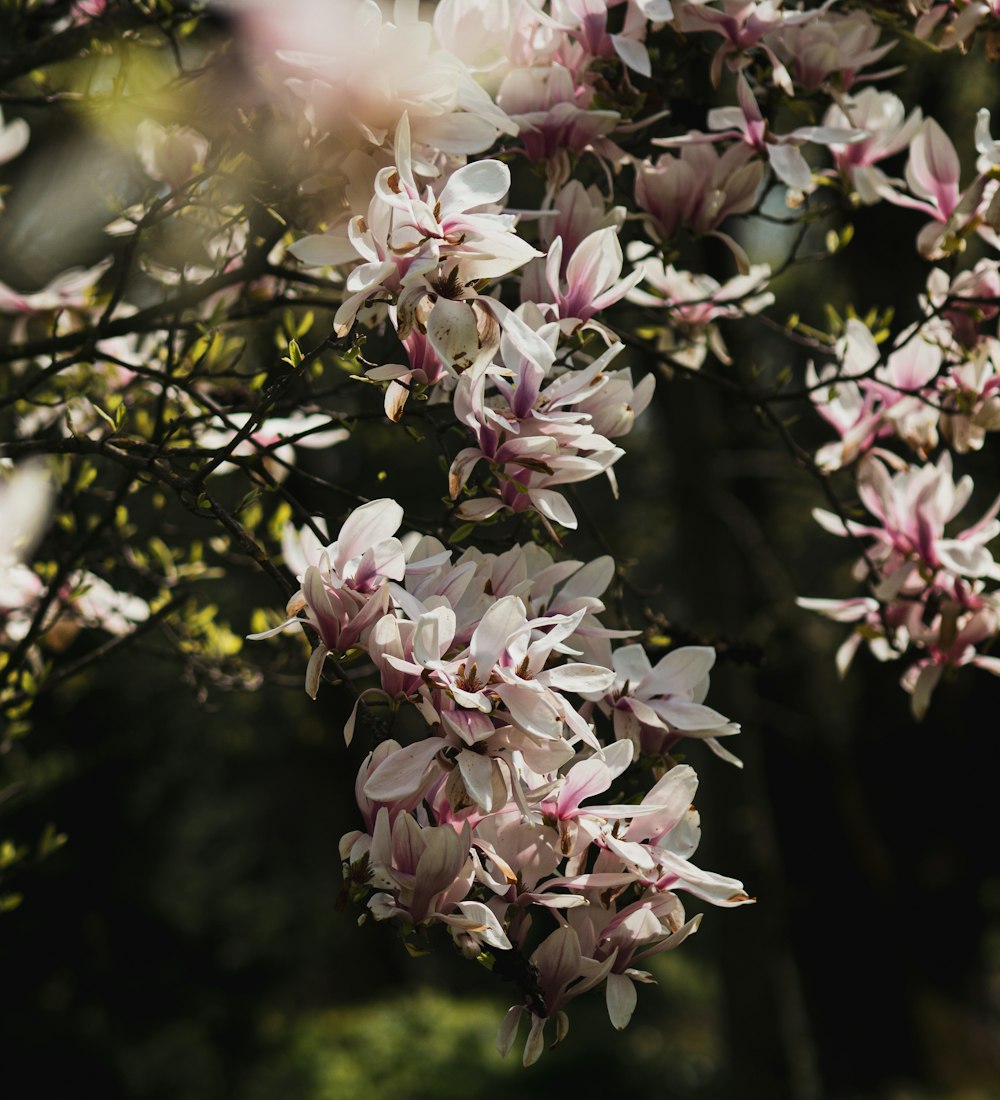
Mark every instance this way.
x=184 y=938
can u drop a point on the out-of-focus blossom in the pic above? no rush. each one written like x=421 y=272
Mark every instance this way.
x=276 y=437
x=13 y=138
x=358 y=73
x=833 y=49
x=170 y=154
x=883 y=117
x=697 y=190
x=692 y=303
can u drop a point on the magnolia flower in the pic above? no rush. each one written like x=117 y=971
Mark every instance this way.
x=429 y=252
x=591 y=281
x=344 y=585
x=912 y=508
x=932 y=175
x=654 y=706
x=745 y=26
x=563 y=973
x=552 y=112
x=747 y=124
x=699 y=189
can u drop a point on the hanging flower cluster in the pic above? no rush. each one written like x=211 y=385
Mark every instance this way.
x=491 y=816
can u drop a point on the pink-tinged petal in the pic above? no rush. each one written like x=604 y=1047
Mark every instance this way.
x=591 y=580
x=578 y=678
x=315 y=592
x=477 y=775
x=595 y=264
x=583 y=781
x=632 y=855
x=479 y=509
x=508 y=1030
x=396 y=396
x=679 y=671
x=722 y=752
x=461 y=468
x=555 y=901
x=528 y=342
x=531 y=710
x=470 y=726
x=706 y=885
x=324 y=250
x=529 y=446
x=933 y=169
x=641 y=711
x=927 y=681
x=631 y=663
x=632 y=53
x=829 y=135
x=687 y=716
x=671 y=941
x=314 y=669
x=501 y=623
x=594 y=973
x=535 y=1042
x=840 y=611
x=618 y=756
x=387 y=372
x=553 y=266
x=558 y=959
x=487 y=927
x=433 y=636
x=384 y=559
x=672 y=795
x=402 y=773
x=968 y=560
x=577 y=728
x=438 y=866
x=385 y=640
x=621 y=1000
x=836 y=526
x=553 y=506
x=381 y=849
x=364 y=527
x=790 y=166
x=749 y=106
x=471 y=700
x=458 y=132
x=479 y=183
x=352 y=719
x=279 y=629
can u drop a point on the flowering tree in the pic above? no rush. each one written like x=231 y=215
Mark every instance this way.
x=474 y=223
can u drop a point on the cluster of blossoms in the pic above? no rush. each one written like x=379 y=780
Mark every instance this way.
x=492 y=212
x=81 y=599
x=929 y=592
x=491 y=815
x=935 y=384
